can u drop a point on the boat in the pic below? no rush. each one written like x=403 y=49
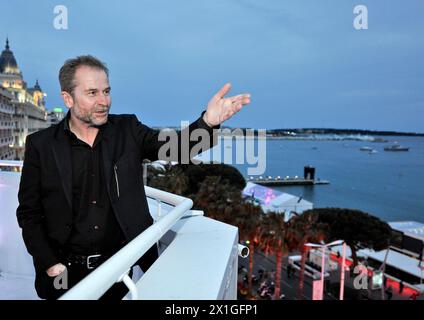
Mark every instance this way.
x=369 y=150
x=396 y=147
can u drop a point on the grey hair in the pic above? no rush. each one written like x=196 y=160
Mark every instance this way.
x=67 y=71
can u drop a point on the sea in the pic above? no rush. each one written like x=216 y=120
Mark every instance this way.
x=389 y=185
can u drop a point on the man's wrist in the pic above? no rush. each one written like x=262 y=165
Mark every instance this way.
x=206 y=120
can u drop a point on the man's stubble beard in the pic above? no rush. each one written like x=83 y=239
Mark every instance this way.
x=88 y=117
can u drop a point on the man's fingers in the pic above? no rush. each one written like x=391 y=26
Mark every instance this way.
x=243 y=98
x=223 y=91
x=240 y=96
x=237 y=107
x=241 y=101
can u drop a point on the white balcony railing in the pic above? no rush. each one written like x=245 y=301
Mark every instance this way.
x=117 y=267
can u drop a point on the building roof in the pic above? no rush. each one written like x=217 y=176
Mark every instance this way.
x=396 y=260
x=411 y=228
x=264 y=194
x=37 y=86
x=273 y=200
x=7 y=60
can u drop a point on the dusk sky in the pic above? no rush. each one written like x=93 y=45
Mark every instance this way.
x=303 y=62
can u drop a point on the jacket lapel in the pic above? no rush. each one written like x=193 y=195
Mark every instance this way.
x=108 y=146
x=62 y=155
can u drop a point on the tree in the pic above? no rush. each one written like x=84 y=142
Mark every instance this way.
x=217 y=190
x=218 y=199
x=196 y=174
x=273 y=240
x=222 y=201
x=249 y=221
x=302 y=229
x=174 y=181
x=357 y=228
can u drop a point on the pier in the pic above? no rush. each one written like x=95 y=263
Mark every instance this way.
x=287 y=181
x=307 y=180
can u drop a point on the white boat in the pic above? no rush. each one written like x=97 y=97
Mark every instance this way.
x=369 y=150
x=396 y=147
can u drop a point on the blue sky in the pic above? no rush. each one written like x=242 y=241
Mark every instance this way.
x=302 y=61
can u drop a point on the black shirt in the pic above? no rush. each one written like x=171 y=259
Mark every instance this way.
x=95 y=228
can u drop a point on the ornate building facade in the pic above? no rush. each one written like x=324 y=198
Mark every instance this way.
x=28 y=103
x=7 y=111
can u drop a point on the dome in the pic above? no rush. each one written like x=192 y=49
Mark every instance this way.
x=7 y=61
x=37 y=87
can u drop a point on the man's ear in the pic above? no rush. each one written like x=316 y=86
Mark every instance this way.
x=67 y=98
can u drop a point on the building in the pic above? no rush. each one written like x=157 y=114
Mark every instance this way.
x=29 y=103
x=272 y=200
x=6 y=125
x=55 y=116
x=408 y=238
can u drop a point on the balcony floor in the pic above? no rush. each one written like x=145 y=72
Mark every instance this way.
x=17 y=287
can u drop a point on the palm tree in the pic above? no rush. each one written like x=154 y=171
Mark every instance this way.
x=249 y=222
x=303 y=229
x=274 y=242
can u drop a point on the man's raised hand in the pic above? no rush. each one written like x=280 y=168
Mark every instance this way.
x=221 y=108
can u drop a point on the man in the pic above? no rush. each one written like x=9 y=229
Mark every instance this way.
x=81 y=196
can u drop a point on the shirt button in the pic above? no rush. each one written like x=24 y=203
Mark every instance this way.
x=96 y=227
x=94 y=202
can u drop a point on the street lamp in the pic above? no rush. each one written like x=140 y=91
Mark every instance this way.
x=323 y=247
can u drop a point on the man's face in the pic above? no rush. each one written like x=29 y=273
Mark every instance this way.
x=91 y=99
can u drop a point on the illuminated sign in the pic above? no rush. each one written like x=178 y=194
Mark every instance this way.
x=377 y=280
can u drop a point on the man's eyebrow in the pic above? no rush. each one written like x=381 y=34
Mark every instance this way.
x=108 y=88
x=91 y=89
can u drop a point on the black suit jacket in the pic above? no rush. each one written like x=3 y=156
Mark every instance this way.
x=45 y=192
